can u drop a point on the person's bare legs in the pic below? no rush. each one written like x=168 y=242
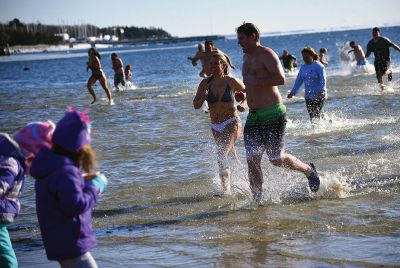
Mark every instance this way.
x=103 y=83
x=293 y=163
x=226 y=146
x=255 y=176
x=90 y=84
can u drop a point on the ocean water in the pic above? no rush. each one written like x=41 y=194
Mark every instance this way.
x=159 y=209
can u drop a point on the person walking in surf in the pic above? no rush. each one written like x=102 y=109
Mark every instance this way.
x=380 y=46
x=266 y=122
x=97 y=74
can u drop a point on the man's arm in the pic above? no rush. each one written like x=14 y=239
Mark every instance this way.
x=393 y=45
x=196 y=57
x=369 y=50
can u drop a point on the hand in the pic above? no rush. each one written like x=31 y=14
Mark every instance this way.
x=99 y=181
x=239 y=96
x=290 y=95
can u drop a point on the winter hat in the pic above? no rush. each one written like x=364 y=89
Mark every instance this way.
x=72 y=131
x=34 y=136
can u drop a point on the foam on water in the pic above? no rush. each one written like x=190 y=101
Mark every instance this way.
x=333 y=122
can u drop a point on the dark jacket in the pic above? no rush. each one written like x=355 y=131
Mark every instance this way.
x=64 y=206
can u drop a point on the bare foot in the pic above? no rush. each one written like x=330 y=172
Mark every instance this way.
x=390 y=76
x=111 y=102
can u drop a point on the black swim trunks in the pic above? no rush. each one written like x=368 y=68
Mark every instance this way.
x=381 y=67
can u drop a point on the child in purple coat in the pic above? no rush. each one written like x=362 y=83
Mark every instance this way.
x=16 y=155
x=64 y=199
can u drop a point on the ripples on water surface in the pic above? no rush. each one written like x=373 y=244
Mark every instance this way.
x=158 y=153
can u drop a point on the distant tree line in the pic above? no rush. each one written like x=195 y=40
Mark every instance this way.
x=17 y=33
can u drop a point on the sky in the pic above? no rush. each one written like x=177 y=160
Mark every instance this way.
x=184 y=18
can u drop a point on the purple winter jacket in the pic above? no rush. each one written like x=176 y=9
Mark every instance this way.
x=12 y=178
x=64 y=206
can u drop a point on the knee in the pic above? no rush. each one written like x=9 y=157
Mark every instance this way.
x=277 y=162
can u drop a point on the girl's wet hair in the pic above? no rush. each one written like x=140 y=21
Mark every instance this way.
x=128 y=67
x=310 y=51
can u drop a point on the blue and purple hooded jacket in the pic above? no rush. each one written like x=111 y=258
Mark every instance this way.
x=64 y=206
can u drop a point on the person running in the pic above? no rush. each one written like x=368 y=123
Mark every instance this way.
x=358 y=54
x=118 y=67
x=380 y=46
x=266 y=122
x=199 y=56
x=289 y=61
x=313 y=75
x=322 y=57
x=218 y=90
x=97 y=74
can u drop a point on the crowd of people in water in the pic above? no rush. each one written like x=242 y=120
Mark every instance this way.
x=60 y=159
x=122 y=76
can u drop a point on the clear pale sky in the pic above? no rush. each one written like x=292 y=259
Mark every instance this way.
x=189 y=18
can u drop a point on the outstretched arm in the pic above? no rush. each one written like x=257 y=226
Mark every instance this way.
x=393 y=45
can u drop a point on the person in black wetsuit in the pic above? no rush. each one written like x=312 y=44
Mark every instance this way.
x=218 y=90
x=380 y=45
x=289 y=61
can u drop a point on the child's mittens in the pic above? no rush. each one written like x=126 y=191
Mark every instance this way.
x=100 y=182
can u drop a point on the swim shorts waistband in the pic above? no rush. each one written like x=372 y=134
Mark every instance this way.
x=267 y=115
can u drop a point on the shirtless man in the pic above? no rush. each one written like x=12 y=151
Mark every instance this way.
x=266 y=122
x=118 y=67
x=358 y=53
x=380 y=45
x=199 y=56
x=205 y=57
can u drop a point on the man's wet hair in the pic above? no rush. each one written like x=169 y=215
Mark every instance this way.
x=352 y=43
x=376 y=29
x=209 y=42
x=248 y=29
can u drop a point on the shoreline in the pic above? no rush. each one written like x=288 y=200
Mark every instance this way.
x=21 y=49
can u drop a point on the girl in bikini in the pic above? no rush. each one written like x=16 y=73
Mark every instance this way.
x=218 y=90
x=97 y=74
